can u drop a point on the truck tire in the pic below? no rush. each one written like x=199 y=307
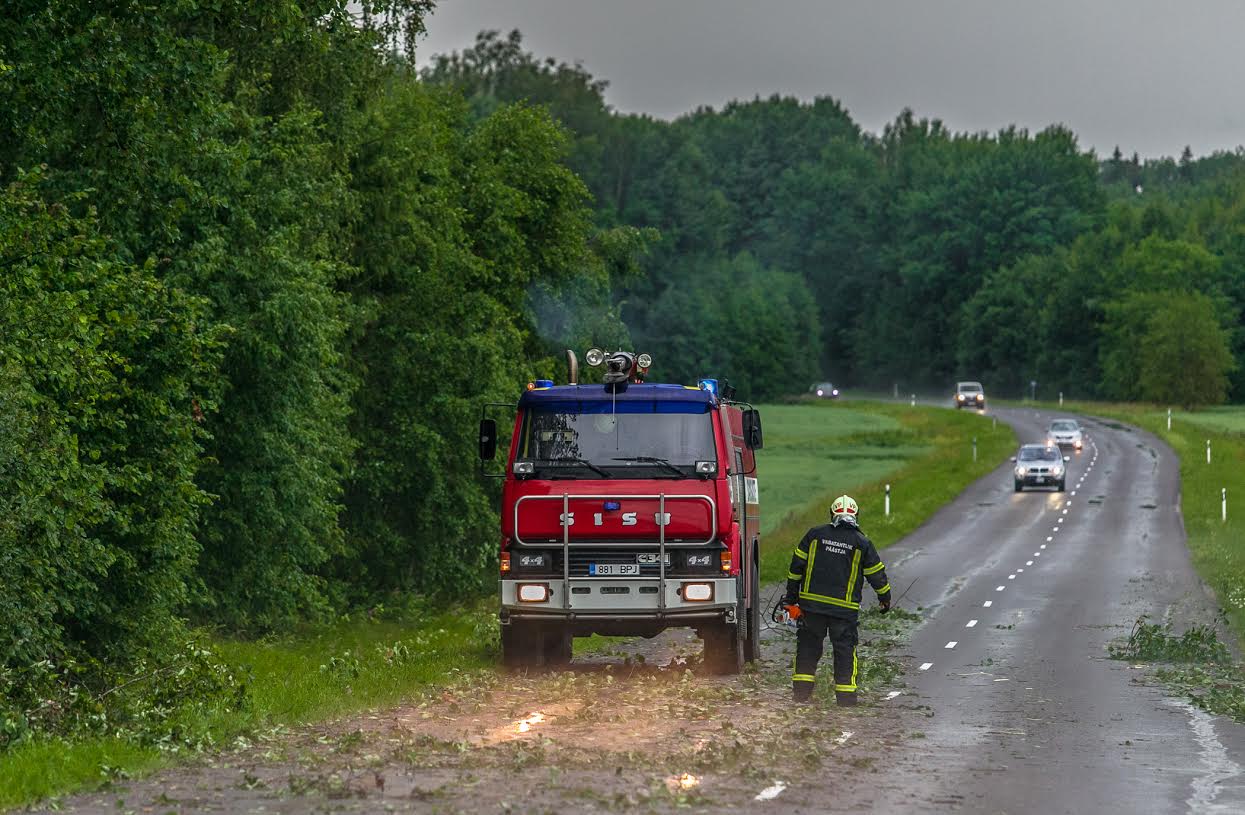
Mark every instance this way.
x=724 y=649
x=521 y=646
x=558 y=645
x=752 y=646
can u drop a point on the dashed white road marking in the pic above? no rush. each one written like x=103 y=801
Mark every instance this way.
x=1000 y=588
x=1074 y=491
x=1021 y=571
x=1011 y=576
x=1048 y=540
x=925 y=666
x=1044 y=545
x=951 y=644
x=1065 y=512
x=970 y=623
x=1067 y=504
x=1056 y=529
x=987 y=604
x=1030 y=562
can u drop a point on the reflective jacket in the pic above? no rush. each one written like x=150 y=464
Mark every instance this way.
x=829 y=567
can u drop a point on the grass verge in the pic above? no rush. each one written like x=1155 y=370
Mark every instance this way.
x=317 y=674
x=924 y=453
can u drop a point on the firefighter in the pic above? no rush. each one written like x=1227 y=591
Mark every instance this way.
x=823 y=596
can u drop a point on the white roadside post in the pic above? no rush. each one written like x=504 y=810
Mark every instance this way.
x=994 y=422
x=1061 y=399
x=1169 y=418
x=896 y=390
x=1208 y=451
x=888 y=500
x=974 y=449
x=914 y=400
x=1223 y=507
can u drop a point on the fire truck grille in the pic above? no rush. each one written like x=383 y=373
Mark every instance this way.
x=704 y=560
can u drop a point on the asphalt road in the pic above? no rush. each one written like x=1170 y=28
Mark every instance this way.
x=1024 y=711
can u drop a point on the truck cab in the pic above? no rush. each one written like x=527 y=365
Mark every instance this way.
x=629 y=508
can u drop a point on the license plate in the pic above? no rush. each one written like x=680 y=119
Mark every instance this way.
x=1040 y=479
x=614 y=569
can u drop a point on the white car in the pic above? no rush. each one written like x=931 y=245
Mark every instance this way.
x=1066 y=433
x=969 y=395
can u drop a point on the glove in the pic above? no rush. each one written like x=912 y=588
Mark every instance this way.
x=793 y=611
x=884 y=603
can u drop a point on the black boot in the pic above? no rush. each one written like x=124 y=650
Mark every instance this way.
x=801 y=692
x=846 y=698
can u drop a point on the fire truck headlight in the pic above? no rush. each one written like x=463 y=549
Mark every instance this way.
x=706 y=467
x=644 y=361
x=594 y=357
x=524 y=468
x=697 y=592
x=533 y=593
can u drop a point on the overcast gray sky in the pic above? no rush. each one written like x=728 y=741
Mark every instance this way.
x=1149 y=75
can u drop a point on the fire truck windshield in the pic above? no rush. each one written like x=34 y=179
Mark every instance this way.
x=632 y=441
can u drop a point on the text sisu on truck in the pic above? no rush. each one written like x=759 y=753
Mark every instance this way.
x=629 y=508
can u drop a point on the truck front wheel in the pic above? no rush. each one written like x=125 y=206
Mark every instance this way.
x=752 y=651
x=558 y=646
x=521 y=646
x=724 y=649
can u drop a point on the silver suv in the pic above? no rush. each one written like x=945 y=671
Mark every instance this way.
x=1039 y=465
x=969 y=394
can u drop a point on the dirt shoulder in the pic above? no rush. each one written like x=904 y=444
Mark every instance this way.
x=638 y=727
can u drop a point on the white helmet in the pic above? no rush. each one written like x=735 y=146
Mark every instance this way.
x=844 y=510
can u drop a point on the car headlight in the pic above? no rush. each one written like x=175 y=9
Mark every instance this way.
x=1057 y=470
x=960 y=396
x=1020 y=471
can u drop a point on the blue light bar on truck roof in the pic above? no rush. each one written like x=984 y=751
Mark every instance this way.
x=710 y=385
x=637 y=398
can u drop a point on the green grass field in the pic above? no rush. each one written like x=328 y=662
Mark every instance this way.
x=314 y=675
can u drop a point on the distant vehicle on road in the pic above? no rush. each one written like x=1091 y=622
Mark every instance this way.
x=969 y=394
x=1039 y=465
x=1066 y=433
x=824 y=390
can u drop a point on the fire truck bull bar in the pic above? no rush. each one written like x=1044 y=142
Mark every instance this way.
x=724 y=600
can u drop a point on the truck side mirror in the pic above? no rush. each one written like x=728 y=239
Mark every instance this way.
x=488 y=439
x=753 y=437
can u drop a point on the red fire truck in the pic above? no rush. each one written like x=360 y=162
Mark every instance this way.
x=628 y=508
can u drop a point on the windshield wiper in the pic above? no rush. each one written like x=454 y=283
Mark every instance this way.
x=653 y=460
x=583 y=463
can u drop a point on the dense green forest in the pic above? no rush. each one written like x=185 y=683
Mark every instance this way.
x=257 y=275
x=914 y=257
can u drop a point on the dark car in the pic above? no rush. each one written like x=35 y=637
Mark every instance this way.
x=824 y=390
x=1039 y=465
